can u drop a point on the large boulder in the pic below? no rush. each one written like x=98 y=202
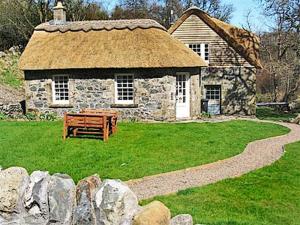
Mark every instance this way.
x=36 y=198
x=155 y=213
x=115 y=203
x=183 y=219
x=61 y=199
x=85 y=195
x=13 y=182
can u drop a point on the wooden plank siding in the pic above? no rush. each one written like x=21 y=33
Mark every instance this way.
x=194 y=30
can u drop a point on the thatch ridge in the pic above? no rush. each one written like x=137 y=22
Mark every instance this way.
x=243 y=41
x=97 y=25
x=138 y=48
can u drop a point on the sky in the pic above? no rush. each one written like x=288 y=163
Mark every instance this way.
x=242 y=7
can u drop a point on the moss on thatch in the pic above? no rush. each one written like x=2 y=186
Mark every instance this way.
x=150 y=47
x=243 y=41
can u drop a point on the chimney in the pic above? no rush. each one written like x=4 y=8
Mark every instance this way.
x=59 y=13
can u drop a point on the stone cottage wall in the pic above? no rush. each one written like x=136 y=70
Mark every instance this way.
x=238 y=88
x=155 y=92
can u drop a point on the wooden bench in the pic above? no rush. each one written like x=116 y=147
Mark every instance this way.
x=112 y=116
x=86 y=123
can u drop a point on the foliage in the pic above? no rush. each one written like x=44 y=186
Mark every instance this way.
x=267 y=196
x=167 y=11
x=18 y=18
x=29 y=117
x=135 y=151
x=9 y=72
x=267 y=113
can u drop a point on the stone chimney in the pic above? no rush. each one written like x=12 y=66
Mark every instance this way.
x=59 y=13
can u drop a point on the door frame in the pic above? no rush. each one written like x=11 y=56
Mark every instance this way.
x=188 y=95
x=220 y=97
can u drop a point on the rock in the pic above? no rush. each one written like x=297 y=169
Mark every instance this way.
x=115 y=203
x=85 y=194
x=36 y=198
x=61 y=199
x=13 y=182
x=183 y=219
x=155 y=213
x=2 y=54
x=296 y=120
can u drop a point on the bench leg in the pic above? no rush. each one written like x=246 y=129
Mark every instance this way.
x=65 y=132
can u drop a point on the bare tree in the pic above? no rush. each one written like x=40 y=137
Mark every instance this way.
x=280 y=50
x=18 y=18
x=215 y=8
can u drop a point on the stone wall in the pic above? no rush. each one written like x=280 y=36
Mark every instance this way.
x=155 y=92
x=11 y=109
x=238 y=87
x=42 y=199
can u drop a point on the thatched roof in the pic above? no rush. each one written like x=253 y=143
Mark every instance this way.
x=106 y=44
x=243 y=41
x=100 y=25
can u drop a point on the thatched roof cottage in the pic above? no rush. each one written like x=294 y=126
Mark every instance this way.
x=133 y=66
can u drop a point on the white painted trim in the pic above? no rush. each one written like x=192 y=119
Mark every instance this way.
x=125 y=102
x=60 y=102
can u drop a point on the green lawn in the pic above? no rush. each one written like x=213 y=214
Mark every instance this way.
x=135 y=151
x=269 y=196
x=267 y=113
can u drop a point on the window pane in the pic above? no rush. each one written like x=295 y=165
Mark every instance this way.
x=61 y=88
x=124 y=87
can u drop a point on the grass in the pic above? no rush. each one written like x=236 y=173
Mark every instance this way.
x=9 y=72
x=267 y=113
x=269 y=196
x=135 y=151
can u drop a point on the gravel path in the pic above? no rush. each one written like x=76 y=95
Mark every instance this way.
x=256 y=155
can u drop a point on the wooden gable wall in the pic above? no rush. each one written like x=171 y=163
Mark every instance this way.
x=194 y=30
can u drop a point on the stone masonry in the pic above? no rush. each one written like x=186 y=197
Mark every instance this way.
x=43 y=199
x=154 y=92
x=238 y=88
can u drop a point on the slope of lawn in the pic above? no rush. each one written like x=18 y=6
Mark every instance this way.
x=269 y=196
x=135 y=151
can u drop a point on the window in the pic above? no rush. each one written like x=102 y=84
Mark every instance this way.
x=213 y=92
x=60 y=88
x=201 y=49
x=124 y=89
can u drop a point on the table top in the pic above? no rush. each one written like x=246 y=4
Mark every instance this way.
x=107 y=114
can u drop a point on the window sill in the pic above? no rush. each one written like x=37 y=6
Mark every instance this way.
x=124 y=106
x=60 y=106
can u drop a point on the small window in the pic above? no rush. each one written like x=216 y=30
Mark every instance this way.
x=213 y=92
x=124 y=88
x=60 y=88
x=201 y=49
x=206 y=52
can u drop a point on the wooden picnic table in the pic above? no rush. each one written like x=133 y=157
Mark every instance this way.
x=102 y=123
x=111 y=114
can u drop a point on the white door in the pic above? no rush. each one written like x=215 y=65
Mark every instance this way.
x=182 y=95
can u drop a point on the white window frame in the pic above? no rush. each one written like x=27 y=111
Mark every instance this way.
x=213 y=91
x=203 y=50
x=124 y=102
x=60 y=102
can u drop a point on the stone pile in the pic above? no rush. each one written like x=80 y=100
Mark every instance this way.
x=11 y=109
x=296 y=120
x=42 y=199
